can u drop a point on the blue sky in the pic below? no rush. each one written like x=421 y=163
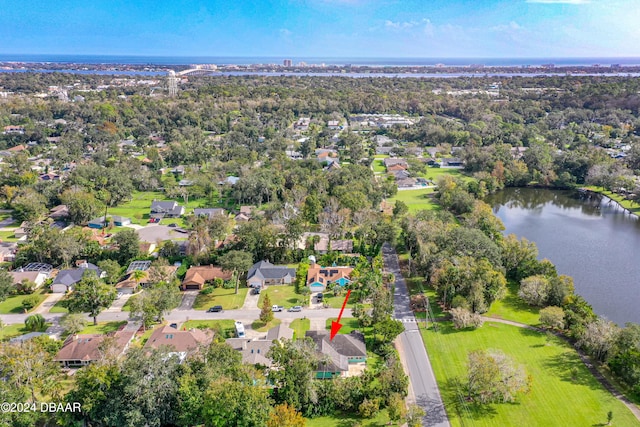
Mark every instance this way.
x=323 y=28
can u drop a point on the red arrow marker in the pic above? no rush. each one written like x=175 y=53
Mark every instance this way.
x=335 y=326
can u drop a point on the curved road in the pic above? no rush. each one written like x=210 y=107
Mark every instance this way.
x=422 y=380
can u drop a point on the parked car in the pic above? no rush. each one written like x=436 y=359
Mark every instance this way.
x=215 y=309
x=174 y=325
x=255 y=291
x=320 y=297
x=119 y=295
x=277 y=308
x=173 y=225
x=296 y=308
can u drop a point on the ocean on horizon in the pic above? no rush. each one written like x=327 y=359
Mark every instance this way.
x=391 y=62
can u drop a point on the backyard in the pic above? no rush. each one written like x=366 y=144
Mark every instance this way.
x=555 y=368
x=226 y=327
x=102 y=327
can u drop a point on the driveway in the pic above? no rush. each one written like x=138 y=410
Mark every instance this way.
x=153 y=233
x=188 y=298
x=250 y=301
x=119 y=303
x=422 y=381
x=49 y=302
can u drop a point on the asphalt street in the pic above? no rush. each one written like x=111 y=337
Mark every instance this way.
x=421 y=376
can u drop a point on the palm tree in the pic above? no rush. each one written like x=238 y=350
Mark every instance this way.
x=35 y=322
x=138 y=276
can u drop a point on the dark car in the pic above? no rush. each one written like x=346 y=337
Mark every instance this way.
x=320 y=297
x=215 y=309
x=173 y=225
x=174 y=325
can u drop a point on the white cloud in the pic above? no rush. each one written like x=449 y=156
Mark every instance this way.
x=408 y=24
x=559 y=1
x=510 y=27
x=284 y=32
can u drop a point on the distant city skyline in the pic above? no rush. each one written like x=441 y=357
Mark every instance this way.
x=290 y=29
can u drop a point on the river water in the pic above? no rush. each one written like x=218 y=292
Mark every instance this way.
x=587 y=237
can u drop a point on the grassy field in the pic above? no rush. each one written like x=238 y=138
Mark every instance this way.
x=300 y=328
x=563 y=393
x=283 y=295
x=227 y=298
x=10 y=331
x=434 y=173
x=511 y=307
x=102 y=327
x=260 y=326
x=13 y=305
x=348 y=324
x=416 y=200
x=347 y=420
x=138 y=207
x=627 y=204
x=226 y=326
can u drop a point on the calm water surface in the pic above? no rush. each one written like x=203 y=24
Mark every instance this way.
x=589 y=238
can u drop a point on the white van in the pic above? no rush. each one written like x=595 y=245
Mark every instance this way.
x=239 y=329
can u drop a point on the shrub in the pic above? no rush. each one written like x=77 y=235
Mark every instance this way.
x=207 y=291
x=463 y=318
x=369 y=408
x=552 y=317
x=29 y=302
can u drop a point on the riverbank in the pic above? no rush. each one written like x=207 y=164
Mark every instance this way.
x=629 y=206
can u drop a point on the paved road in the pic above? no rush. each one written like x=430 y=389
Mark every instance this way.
x=183 y=315
x=422 y=380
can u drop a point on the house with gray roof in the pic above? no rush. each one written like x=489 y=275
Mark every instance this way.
x=208 y=212
x=254 y=351
x=344 y=356
x=169 y=209
x=66 y=279
x=264 y=273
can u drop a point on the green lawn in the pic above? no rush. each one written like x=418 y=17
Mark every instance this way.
x=260 y=326
x=300 y=328
x=13 y=304
x=58 y=308
x=283 y=295
x=227 y=298
x=416 y=199
x=227 y=327
x=556 y=398
x=434 y=173
x=347 y=420
x=378 y=166
x=138 y=207
x=511 y=307
x=348 y=324
x=10 y=331
x=102 y=327
x=627 y=204
x=8 y=236
x=337 y=301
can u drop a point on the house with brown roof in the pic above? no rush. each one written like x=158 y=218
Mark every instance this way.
x=179 y=343
x=319 y=277
x=344 y=246
x=129 y=285
x=37 y=277
x=396 y=168
x=196 y=277
x=81 y=350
